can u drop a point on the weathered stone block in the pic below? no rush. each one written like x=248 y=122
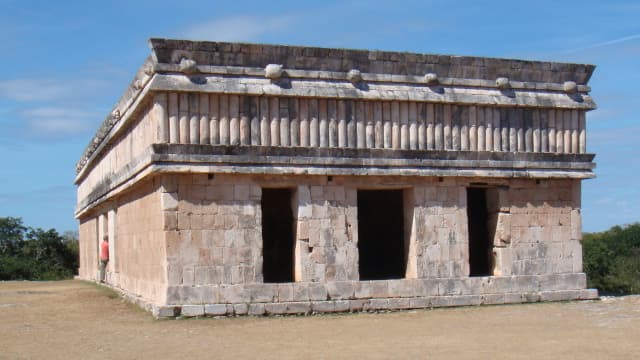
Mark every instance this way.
x=240 y=309
x=276 y=308
x=400 y=303
x=322 y=306
x=192 y=310
x=342 y=305
x=298 y=308
x=256 y=309
x=232 y=294
x=340 y=289
x=300 y=291
x=165 y=311
x=377 y=304
x=215 y=309
x=317 y=291
x=285 y=292
x=262 y=292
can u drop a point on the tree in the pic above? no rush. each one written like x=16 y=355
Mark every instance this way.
x=35 y=254
x=612 y=259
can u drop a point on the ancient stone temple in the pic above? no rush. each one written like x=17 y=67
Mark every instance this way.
x=262 y=179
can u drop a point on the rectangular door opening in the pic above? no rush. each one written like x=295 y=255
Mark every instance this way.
x=480 y=231
x=277 y=235
x=381 y=244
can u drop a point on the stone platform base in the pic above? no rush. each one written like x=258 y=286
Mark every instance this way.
x=358 y=305
x=353 y=296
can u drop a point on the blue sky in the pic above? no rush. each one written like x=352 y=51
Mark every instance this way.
x=63 y=64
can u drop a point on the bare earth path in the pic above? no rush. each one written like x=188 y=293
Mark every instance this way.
x=77 y=320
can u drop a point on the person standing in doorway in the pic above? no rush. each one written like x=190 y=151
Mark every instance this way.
x=104 y=257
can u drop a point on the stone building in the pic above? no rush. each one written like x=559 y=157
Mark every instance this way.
x=262 y=179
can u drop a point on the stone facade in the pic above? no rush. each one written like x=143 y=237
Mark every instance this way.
x=177 y=177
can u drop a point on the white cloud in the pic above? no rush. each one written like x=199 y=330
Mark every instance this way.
x=53 y=122
x=239 y=28
x=616 y=41
x=48 y=89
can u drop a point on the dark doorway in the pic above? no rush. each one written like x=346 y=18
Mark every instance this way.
x=480 y=243
x=277 y=235
x=381 y=234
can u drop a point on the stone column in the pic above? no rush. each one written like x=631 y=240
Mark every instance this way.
x=314 y=128
x=559 y=131
x=473 y=127
x=224 y=119
x=513 y=130
x=536 y=130
x=285 y=132
x=497 y=129
x=333 y=122
x=456 y=114
x=552 y=130
x=582 y=124
x=255 y=120
x=404 y=125
x=395 y=125
x=422 y=126
x=360 y=124
x=438 y=138
x=234 y=120
x=342 y=124
x=488 y=129
x=304 y=122
x=274 y=124
x=194 y=118
x=464 y=129
x=204 y=119
x=482 y=131
x=448 y=143
x=323 y=126
x=265 y=121
x=379 y=129
x=161 y=117
x=544 y=130
x=214 y=122
x=174 y=126
x=528 y=130
x=575 y=142
x=184 y=118
x=294 y=122
x=386 y=125
x=430 y=127
x=369 y=127
x=413 y=125
x=245 y=121
x=567 y=132
x=351 y=124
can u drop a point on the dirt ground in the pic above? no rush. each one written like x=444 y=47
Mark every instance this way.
x=74 y=319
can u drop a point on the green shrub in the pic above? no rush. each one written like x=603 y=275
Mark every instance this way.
x=612 y=259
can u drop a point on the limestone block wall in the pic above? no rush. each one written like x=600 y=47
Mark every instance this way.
x=212 y=229
x=140 y=251
x=214 y=240
x=88 y=246
x=541 y=230
x=134 y=224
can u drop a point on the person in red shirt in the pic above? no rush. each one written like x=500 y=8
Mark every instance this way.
x=104 y=257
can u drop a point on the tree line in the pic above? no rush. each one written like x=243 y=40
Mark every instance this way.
x=28 y=253
x=611 y=258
